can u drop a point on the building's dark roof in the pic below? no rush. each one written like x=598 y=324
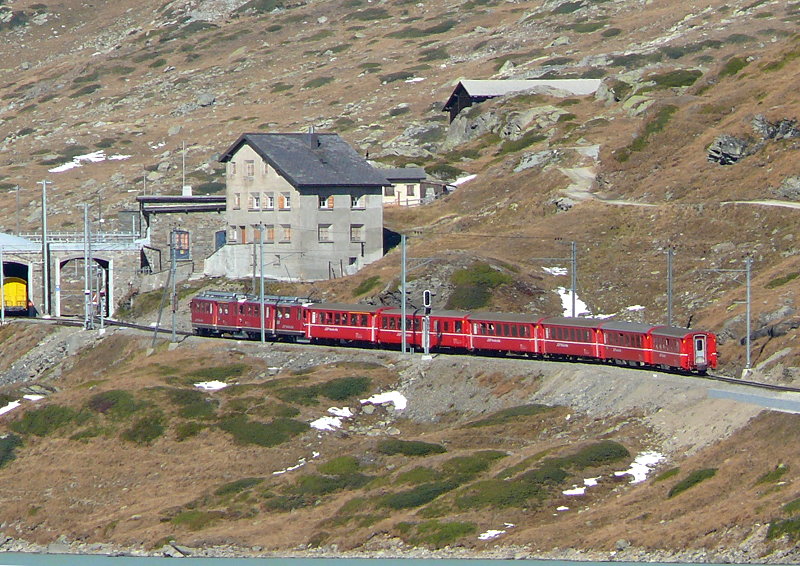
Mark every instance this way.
x=400 y=174
x=311 y=160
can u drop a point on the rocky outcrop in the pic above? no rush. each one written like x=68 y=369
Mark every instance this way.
x=727 y=149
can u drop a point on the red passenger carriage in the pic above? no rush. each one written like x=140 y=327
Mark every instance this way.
x=341 y=323
x=503 y=332
x=566 y=337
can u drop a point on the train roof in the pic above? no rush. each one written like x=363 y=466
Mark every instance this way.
x=441 y=313
x=623 y=326
x=573 y=321
x=240 y=297
x=504 y=317
x=674 y=331
x=346 y=307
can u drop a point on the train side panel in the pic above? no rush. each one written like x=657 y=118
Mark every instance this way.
x=569 y=337
x=341 y=323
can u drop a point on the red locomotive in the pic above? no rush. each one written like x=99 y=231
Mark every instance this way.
x=559 y=338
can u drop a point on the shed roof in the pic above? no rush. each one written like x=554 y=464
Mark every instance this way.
x=492 y=88
x=311 y=160
x=399 y=174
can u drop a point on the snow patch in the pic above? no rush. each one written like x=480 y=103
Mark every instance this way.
x=395 y=397
x=575 y=491
x=300 y=463
x=462 y=180
x=343 y=412
x=94 y=157
x=327 y=423
x=581 y=308
x=555 y=270
x=641 y=466
x=10 y=407
x=211 y=385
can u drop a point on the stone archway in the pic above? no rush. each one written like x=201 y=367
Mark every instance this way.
x=71 y=289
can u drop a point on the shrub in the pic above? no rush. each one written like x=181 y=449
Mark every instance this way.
x=667 y=474
x=290 y=502
x=567 y=7
x=528 y=139
x=145 y=430
x=444 y=171
x=367 y=285
x=611 y=32
x=733 y=66
x=417 y=496
x=195 y=520
x=440 y=535
x=185 y=431
x=44 y=421
x=394 y=446
x=193 y=403
x=773 y=475
x=464 y=468
x=691 y=480
x=676 y=79
x=653 y=126
x=8 y=447
x=369 y=14
x=88 y=89
x=237 y=486
x=398 y=76
x=505 y=415
x=115 y=403
x=220 y=373
x=339 y=466
x=322 y=485
x=317 y=82
x=345 y=387
x=417 y=475
x=547 y=474
x=788 y=527
x=473 y=286
x=498 y=493
x=598 y=454
x=792 y=507
x=277 y=432
x=783 y=280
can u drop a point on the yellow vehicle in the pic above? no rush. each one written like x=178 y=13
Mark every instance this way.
x=15 y=293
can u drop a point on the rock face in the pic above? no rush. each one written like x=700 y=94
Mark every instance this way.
x=789 y=188
x=727 y=149
x=782 y=129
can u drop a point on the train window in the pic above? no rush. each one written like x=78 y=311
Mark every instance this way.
x=458 y=327
x=514 y=330
x=364 y=320
x=337 y=318
x=353 y=319
x=506 y=330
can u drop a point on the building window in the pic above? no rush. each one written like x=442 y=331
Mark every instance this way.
x=237 y=201
x=326 y=202
x=357 y=201
x=324 y=233
x=269 y=233
x=356 y=232
x=233 y=234
x=269 y=201
x=243 y=233
x=284 y=201
x=249 y=168
x=409 y=190
x=182 y=244
x=388 y=191
x=232 y=167
x=256 y=234
x=254 y=202
x=286 y=233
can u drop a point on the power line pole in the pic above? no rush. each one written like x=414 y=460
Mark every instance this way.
x=45 y=251
x=261 y=289
x=403 y=339
x=574 y=249
x=670 y=253
x=2 y=289
x=172 y=271
x=87 y=291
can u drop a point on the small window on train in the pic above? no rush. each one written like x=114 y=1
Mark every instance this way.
x=514 y=330
x=458 y=327
x=364 y=320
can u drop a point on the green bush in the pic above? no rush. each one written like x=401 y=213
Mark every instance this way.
x=473 y=286
x=392 y=446
x=773 y=475
x=322 y=485
x=418 y=475
x=464 y=468
x=8 y=447
x=367 y=285
x=665 y=475
x=417 y=496
x=398 y=76
x=611 y=32
x=185 y=431
x=369 y=14
x=145 y=430
x=193 y=403
x=733 y=66
x=788 y=527
x=792 y=508
x=276 y=432
x=691 y=480
x=439 y=535
x=45 y=421
x=237 y=486
x=498 y=493
x=289 y=502
x=317 y=82
x=220 y=373
x=598 y=454
x=512 y=413
x=676 y=79
x=528 y=139
x=783 y=280
x=653 y=126
x=344 y=388
x=196 y=520
x=339 y=466
x=116 y=404
x=567 y=7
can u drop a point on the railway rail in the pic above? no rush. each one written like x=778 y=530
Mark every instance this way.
x=66 y=321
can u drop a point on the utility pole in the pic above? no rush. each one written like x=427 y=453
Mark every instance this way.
x=87 y=290
x=45 y=251
x=261 y=289
x=573 y=246
x=403 y=337
x=670 y=253
x=172 y=270
x=748 y=266
x=16 y=189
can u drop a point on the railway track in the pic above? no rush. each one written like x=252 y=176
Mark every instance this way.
x=66 y=321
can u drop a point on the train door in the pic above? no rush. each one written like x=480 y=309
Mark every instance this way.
x=700 y=350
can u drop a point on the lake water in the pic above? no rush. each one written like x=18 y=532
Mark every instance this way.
x=17 y=559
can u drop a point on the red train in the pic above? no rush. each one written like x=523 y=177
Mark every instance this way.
x=291 y=318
